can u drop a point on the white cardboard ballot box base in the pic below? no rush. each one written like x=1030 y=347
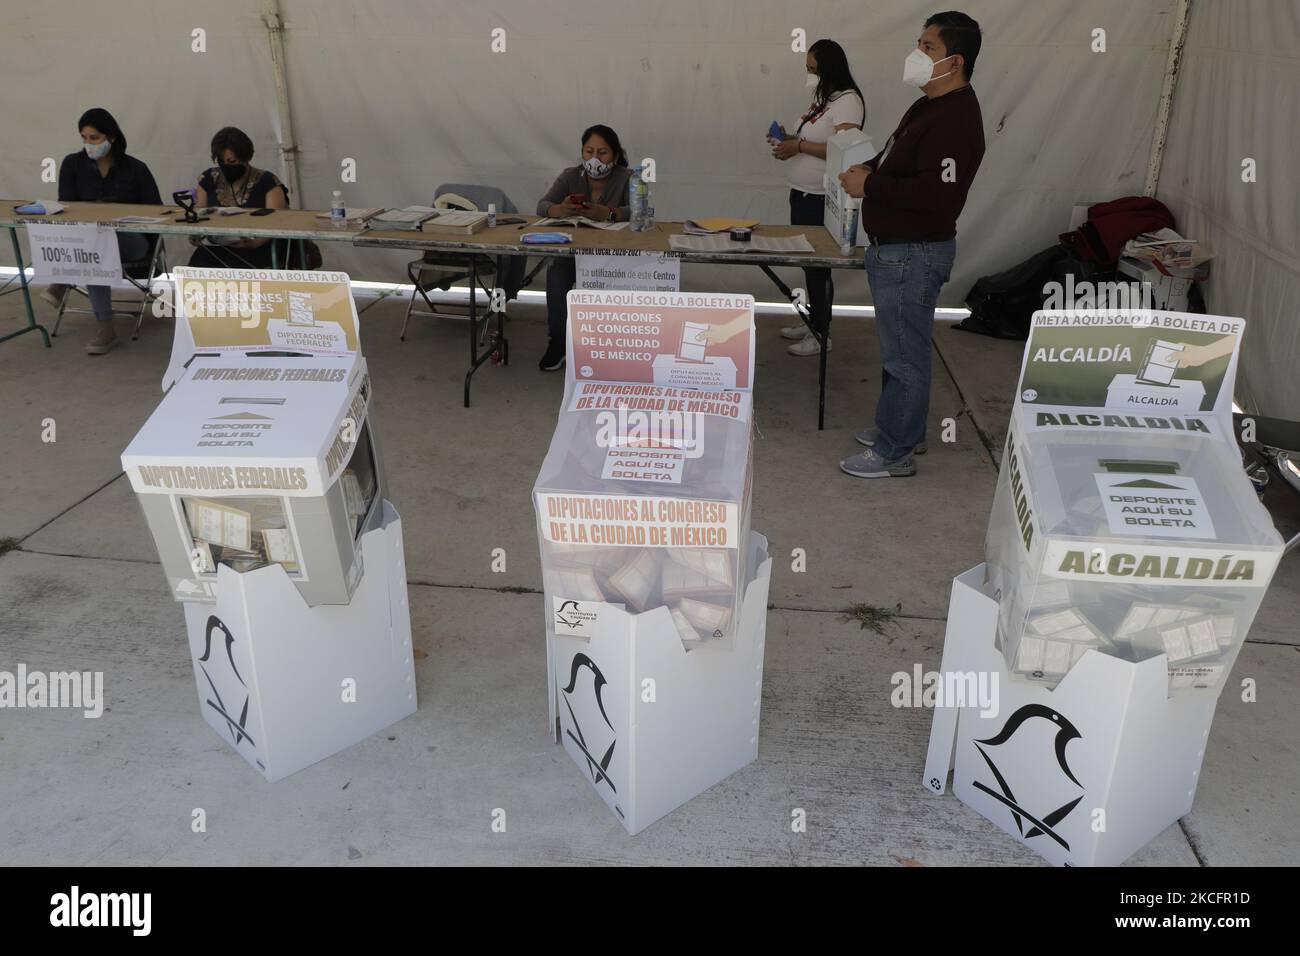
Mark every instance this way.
x=647 y=748
x=1085 y=774
x=288 y=685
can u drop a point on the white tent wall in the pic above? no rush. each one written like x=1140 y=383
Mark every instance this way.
x=411 y=91
x=1239 y=98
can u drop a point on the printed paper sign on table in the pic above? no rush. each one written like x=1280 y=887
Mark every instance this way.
x=75 y=253
x=626 y=270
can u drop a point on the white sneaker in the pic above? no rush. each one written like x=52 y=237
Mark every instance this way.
x=795 y=332
x=808 y=346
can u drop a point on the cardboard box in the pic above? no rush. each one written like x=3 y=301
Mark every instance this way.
x=848 y=147
x=286 y=684
x=256 y=455
x=1084 y=774
x=649 y=724
x=1134 y=534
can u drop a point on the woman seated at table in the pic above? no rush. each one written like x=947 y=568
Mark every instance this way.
x=602 y=180
x=235 y=182
x=101 y=171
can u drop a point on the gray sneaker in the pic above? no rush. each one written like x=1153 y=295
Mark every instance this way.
x=869 y=435
x=870 y=465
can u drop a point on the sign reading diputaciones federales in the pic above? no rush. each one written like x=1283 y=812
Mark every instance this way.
x=1138 y=370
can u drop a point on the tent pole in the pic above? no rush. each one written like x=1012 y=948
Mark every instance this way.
x=288 y=146
x=1175 y=60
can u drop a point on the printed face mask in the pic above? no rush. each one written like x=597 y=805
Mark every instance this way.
x=595 y=168
x=98 y=150
x=918 y=67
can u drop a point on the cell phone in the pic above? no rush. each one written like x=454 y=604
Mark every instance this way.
x=577 y=199
x=261 y=212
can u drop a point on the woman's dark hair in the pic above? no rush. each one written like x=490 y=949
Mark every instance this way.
x=833 y=75
x=235 y=140
x=102 y=120
x=609 y=136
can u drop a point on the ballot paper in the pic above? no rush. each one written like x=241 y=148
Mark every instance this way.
x=278 y=544
x=300 y=311
x=714 y=564
x=692 y=348
x=677 y=580
x=576 y=584
x=220 y=524
x=606 y=560
x=638 y=579
x=685 y=630
x=1160 y=363
x=705 y=617
x=352 y=495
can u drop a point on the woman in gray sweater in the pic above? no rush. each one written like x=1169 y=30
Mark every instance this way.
x=601 y=179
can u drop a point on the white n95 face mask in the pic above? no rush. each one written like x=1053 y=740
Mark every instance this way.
x=595 y=168
x=918 y=67
x=811 y=81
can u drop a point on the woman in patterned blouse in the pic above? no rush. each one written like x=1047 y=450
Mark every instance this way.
x=234 y=181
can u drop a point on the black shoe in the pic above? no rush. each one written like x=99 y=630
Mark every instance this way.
x=554 y=357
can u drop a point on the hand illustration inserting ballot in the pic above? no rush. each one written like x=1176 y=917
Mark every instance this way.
x=717 y=334
x=1196 y=355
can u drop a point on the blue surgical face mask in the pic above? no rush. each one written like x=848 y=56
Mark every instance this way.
x=595 y=168
x=98 y=150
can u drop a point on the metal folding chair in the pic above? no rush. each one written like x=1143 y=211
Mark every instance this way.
x=442 y=270
x=139 y=273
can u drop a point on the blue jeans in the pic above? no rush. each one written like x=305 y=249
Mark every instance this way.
x=131 y=247
x=905 y=279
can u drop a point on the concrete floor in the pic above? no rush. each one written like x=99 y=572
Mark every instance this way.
x=83 y=591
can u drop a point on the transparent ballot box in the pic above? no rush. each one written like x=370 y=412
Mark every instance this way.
x=650 y=512
x=1133 y=545
x=261 y=461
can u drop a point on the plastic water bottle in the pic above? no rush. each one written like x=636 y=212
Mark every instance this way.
x=492 y=215
x=338 y=212
x=849 y=224
x=639 y=201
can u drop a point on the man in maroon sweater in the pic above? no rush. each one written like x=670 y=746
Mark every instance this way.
x=912 y=193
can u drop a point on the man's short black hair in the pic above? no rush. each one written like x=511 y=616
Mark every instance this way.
x=960 y=35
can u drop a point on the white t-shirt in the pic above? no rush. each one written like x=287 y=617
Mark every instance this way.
x=805 y=172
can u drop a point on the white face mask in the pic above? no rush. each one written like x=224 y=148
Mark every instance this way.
x=811 y=81
x=595 y=168
x=918 y=67
x=98 y=150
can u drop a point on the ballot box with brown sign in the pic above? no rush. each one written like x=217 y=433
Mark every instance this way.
x=655 y=587
x=260 y=477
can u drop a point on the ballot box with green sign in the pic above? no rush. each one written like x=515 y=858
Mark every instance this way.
x=1123 y=522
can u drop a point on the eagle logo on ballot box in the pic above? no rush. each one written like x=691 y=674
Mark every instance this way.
x=1028 y=762
x=588 y=727
x=223 y=666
